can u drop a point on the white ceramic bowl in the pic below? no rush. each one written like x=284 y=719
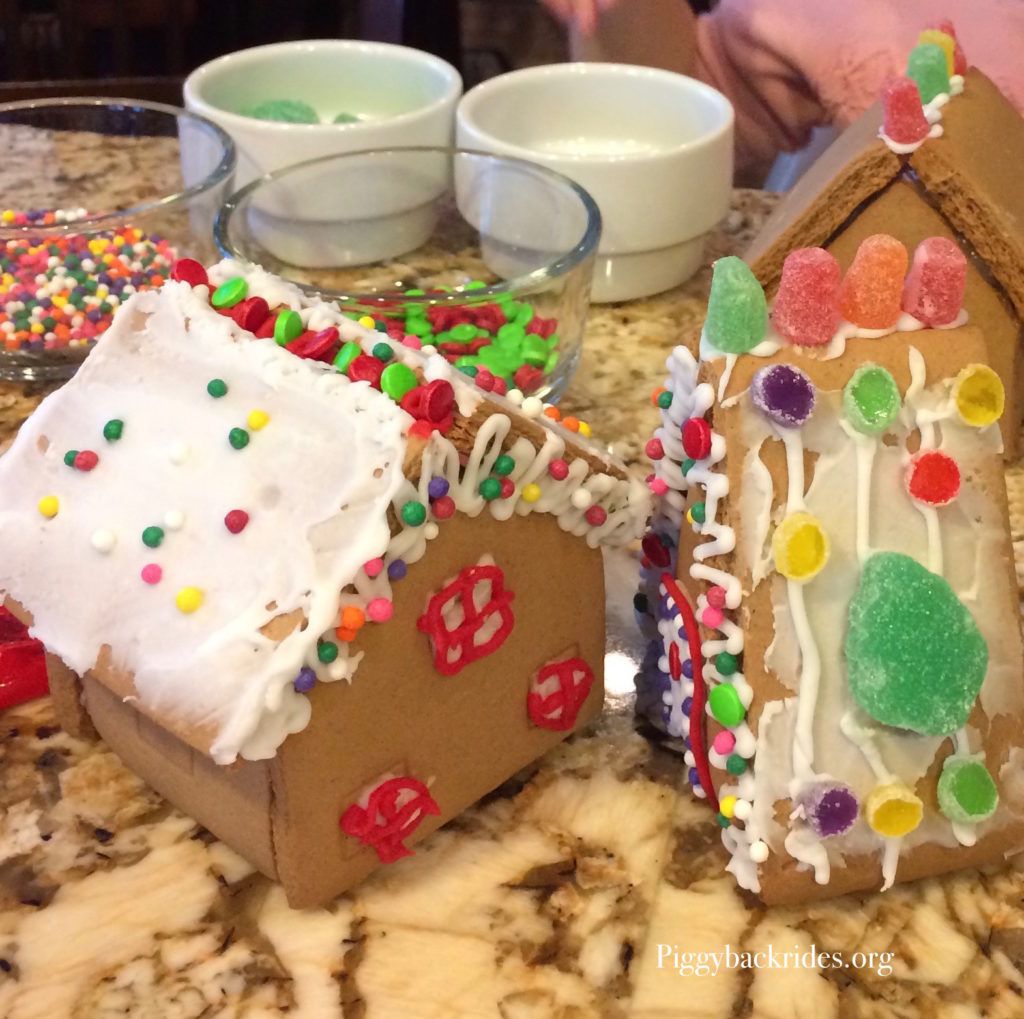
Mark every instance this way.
x=654 y=148
x=401 y=95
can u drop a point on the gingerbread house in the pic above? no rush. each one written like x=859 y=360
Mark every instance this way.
x=321 y=592
x=956 y=177
x=828 y=586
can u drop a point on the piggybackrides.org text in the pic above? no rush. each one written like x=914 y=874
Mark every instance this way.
x=701 y=964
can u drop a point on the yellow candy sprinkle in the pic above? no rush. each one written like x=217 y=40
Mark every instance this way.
x=979 y=395
x=257 y=419
x=49 y=506
x=893 y=810
x=7 y=216
x=97 y=246
x=58 y=301
x=800 y=547
x=531 y=493
x=188 y=599
x=37 y=328
x=585 y=429
x=367 y=323
x=944 y=41
x=727 y=805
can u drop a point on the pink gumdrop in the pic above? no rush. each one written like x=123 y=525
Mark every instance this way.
x=806 y=308
x=904 y=120
x=724 y=742
x=934 y=290
x=873 y=285
x=152 y=573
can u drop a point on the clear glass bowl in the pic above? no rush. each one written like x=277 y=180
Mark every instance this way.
x=486 y=257
x=137 y=184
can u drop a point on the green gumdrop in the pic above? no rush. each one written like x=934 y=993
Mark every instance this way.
x=871 y=399
x=927 y=66
x=966 y=790
x=287 y=111
x=725 y=704
x=914 y=655
x=737 y=317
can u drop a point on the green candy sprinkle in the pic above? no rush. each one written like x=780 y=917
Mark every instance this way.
x=664 y=402
x=737 y=315
x=726 y=663
x=504 y=465
x=69 y=457
x=348 y=353
x=723 y=821
x=383 y=351
x=152 y=537
x=217 y=388
x=287 y=326
x=490 y=489
x=871 y=399
x=726 y=706
x=397 y=379
x=228 y=294
x=735 y=764
x=327 y=652
x=698 y=512
x=468 y=369
x=966 y=792
x=239 y=438
x=414 y=513
x=285 y=111
x=686 y=465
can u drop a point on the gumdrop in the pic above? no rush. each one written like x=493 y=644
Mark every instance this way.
x=904 y=121
x=783 y=393
x=737 y=317
x=800 y=547
x=871 y=399
x=944 y=41
x=873 y=286
x=934 y=290
x=915 y=658
x=979 y=395
x=830 y=808
x=806 y=308
x=893 y=810
x=966 y=792
x=927 y=66
x=933 y=478
x=959 y=58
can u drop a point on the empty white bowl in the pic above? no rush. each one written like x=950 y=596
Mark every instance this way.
x=402 y=97
x=654 y=149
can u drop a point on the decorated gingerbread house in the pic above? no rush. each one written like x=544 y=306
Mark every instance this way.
x=317 y=587
x=948 y=166
x=828 y=584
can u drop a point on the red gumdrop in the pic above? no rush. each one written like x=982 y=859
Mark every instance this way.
x=933 y=478
x=365 y=368
x=959 y=57
x=806 y=308
x=904 y=120
x=872 y=289
x=188 y=270
x=696 y=438
x=934 y=289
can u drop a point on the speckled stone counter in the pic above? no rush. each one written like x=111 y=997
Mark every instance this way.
x=591 y=887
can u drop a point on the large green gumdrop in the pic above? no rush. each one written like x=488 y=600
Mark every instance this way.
x=914 y=655
x=966 y=791
x=737 y=318
x=927 y=66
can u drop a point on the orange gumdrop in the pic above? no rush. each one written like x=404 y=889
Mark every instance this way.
x=873 y=286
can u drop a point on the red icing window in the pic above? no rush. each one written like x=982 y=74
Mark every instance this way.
x=469 y=618
x=392 y=812
x=557 y=693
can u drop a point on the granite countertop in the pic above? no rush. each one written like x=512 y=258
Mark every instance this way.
x=585 y=888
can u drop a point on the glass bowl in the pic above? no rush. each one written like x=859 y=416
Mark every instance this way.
x=487 y=258
x=99 y=196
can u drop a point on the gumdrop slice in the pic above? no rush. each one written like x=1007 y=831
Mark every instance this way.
x=966 y=791
x=927 y=66
x=915 y=657
x=893 y=810
x=979 y=395
x=933 y=478
x=903 y=121
x=806 y=308
x=873 y=287
x=783 y=393
x=944 y=41
x=737 y=317
x=934 y=289
x=871 y=399
x=800 y=547
x=830 y=808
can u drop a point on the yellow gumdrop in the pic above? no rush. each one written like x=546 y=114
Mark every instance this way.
x=893 y=810
x=800 y=547
x=979 y=395
x=727 y=806
x=943 y=40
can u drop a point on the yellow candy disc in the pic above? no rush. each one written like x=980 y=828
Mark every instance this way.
x=800 y=547
x=893 y=810
x=941 y=39
x=979 y=395
x=188 y=599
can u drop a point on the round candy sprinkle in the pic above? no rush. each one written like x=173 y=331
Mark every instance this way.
x=174 y=520
x=285 y=111
x=596 y=516
x=373 y=567
x=830 y=808
x=287 y=326
x=508 y=488
x=239 y=438
x=871 y=399
x=229 y=293
x=966 y=792
x=188 y=270
x=558 y=469
x=490 y=488
x=49 y=506
x=103 y=540
x=800 y=547
x=397 y=569
x=723 y=743
x=716 y=596
x=188 y=599
x=236 y=520
x=712 y=618
x=352 y=617
x=696 y=438
x=414 y=513
x=892 y=810
x=727 y=804
x=437 y=487
x=979 y=395
x=725 y=705
x=380 y=610
x=759 y=851
x=113 y=430
x=152 y=537
x=397 y=379
x=726 y=663
x=217 y=388
x=698 y=513
x=783 y=393
x=69 y=457
x=367 y=322
x=257 y=419
x=151 y=573
x=664 y=399
x=654 y=449
x=504 y=465
x=581 y=498
x=86 y=460
x=382 y=351
x=443 y=508
x=327 y=651
x=736 y=764
x=305 y=680
x=933 y=478
x=531 y=493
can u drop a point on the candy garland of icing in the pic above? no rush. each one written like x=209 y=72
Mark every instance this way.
x=933 y=114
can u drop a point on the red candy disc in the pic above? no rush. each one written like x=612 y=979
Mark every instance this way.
x=933 y=478
x=188 y=270
x=366 y=369
x=251 y=313
x=696 y=438
x=236 y=520
x=86 y=460
x=314 y=346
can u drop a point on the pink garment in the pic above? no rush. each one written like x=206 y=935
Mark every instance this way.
x=792 y=65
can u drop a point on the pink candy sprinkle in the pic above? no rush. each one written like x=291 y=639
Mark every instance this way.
x=654 y=449
x=412 y=341
x=596 y=516
x=724 y=742
x=934 y=288
x=712 y=617
x=152 y=573
x=659 y=486
x=373 y=567
x=716 y=597
x=904 y=120
x=380 y=610
x=558 y=469
x=806 y=309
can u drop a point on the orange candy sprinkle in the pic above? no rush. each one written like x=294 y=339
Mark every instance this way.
x=552 y=412
x=571 y=423
x=352 y=618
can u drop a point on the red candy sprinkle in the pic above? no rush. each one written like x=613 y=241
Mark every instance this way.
x=596 y=516
x=235 y=521
x=933 y=478
x=508 y=488
x=86 y=460
x=904 y=120
x=558 y=469
x=654 y=449
x=443 y=507
x=696 y=438
x=934 y=288
x=366 y=369
x=188 y=270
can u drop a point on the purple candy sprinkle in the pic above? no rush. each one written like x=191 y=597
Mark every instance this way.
x=784 y=393
x=830 y=808
x=694 y=778
x=437 y=488
x=305 y=680
x=687 y=705
x=397 y=569
x=688 y=668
